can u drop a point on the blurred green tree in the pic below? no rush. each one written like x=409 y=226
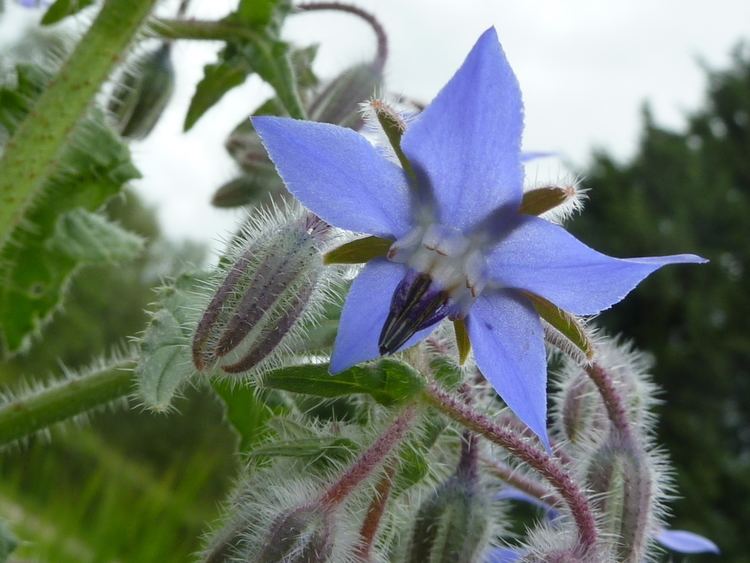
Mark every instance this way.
x=689 y=191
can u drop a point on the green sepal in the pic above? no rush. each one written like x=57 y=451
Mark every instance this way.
x=61 y=9
x=387 y=381
x=358 y=251
x=541 y=200
x=562 y=321
x=393 y=127
x=462 y=340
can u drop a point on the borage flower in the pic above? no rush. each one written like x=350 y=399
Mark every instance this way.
x=461 y=247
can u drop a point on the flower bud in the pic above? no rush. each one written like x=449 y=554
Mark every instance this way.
x=620 y=476
x=304 y=535
x=339 y=101
x=452 y=524
x=143 y=93
x=245 y=190
x=272 y=284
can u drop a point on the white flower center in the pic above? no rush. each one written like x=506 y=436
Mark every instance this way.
x=454 y=262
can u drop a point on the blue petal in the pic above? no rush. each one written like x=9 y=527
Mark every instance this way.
x=683 y=541
x=511 y=493
x=337 y=174
x=364 y=315
x=504 y=555
x=467 y=143
x=508 y=341
x=545 y=259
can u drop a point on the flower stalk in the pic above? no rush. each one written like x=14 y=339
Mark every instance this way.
x=370 y=460
x=547 y=466
x=31 y=155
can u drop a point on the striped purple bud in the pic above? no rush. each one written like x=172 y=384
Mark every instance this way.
x=270 y=287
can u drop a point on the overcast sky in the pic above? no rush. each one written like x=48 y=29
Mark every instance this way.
x=585 y=68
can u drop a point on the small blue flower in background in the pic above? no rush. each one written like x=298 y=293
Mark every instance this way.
x=683 y=541
x=462 y=249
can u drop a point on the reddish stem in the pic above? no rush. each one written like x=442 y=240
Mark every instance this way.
x=369 y=460
x=530 y=486
x=547 y=466
x=375 y=511
x=613 y=401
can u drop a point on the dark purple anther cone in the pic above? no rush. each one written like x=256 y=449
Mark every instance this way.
x=416 y=304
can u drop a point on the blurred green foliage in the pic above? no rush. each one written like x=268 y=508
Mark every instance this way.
x=689 y=191
x=133 y=486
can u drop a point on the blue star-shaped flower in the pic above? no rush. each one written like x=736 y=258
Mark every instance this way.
x=461 y=247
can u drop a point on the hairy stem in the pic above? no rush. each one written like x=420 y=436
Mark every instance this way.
x=67 y=398
x=223 y=30
x=31 y=155
x=613 y=400
x=522 y=482
x=545 y=465
x=382 y=38
x=369 y=530
x=370 y=460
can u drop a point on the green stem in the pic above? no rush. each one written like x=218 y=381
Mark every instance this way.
x=222 y=30
x=32 y=154
x=23 y=416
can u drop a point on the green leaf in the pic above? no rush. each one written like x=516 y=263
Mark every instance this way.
x=35 y=273
x=412 y=469
x=93 y=167
x=388 y=381
x=246 y=412
x=358 y=251
x=313 y=448
x=217 y=80
x=61 y=9
x=166 y=362
x=90 y=237
x=256 y=13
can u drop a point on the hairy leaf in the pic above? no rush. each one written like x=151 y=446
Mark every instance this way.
x=165 y=362
x=218 y=79
x=90 y=237
x=93 y=167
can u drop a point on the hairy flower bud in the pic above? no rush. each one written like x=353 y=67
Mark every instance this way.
x=339 y=101
x=246 y=189
x=304 y=535
x=268 y=289
x=143 y=93
x=452 y=524
x=620 y=476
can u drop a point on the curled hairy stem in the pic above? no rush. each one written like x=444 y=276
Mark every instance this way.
x=545 y=465
x=377 y=27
